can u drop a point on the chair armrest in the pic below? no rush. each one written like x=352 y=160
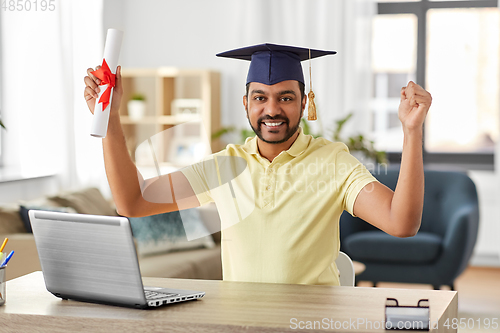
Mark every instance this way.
x=459 y=240
x=465 y=216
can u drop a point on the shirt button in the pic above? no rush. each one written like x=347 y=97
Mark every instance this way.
x=268 y=188
x=270 y=170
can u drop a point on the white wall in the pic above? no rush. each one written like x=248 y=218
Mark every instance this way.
x=183 y=34
x=487 y=250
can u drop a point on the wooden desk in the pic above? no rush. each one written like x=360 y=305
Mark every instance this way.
x=227 y=307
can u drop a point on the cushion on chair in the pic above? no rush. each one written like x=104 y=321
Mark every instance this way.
x=169 y=231
x=23 y=212
x=194 y=264
x=10 y=221
x=381 y=247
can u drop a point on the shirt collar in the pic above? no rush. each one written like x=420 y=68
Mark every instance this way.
x=297 y=148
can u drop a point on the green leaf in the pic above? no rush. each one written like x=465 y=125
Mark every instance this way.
x=358 y=142
x=306 y=129
x=222 y=131
x=2 y=125
x=138 y=97
x=339 y=125
x=246 y=133
x=305 y=126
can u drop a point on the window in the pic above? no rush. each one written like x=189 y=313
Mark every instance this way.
x=394 y=51
x=452 y=49
x=462 y=71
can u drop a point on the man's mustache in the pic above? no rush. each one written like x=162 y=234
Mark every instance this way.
x=263 y=119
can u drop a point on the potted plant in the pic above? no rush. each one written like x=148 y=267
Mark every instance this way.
x=358 y=145
x=136 y=106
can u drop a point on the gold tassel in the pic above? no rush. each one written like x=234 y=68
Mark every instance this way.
x=311 y=109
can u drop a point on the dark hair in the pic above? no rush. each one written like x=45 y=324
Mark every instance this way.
x=302 y=89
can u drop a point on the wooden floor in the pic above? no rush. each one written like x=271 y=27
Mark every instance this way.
x=478 y=294
x=479 y=290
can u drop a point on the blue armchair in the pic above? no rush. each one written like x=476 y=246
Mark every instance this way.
x=441 y=249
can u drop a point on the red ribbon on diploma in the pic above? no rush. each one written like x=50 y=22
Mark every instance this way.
x=104 y=74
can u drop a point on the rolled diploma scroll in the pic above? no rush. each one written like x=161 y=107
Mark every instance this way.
x=111 y=55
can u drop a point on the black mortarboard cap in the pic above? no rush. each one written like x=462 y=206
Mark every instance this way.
x=271 y=63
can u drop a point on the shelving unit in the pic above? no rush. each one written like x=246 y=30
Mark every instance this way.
x=163 y=87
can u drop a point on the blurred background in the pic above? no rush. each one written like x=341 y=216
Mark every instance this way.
x=451 y=48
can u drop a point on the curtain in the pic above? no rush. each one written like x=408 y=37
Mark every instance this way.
x=45 y=55
x=82 y=44
x=32 y=89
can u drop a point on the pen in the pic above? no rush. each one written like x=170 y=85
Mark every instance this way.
x=7 y=259
x=3 y=244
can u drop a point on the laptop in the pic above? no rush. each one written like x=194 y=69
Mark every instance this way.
x=93 y=258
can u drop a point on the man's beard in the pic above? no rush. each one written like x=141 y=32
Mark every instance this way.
x=289 y=133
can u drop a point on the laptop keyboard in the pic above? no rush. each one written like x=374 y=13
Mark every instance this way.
x=156 y=295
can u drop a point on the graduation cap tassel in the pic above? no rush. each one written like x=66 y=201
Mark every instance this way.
x=311 y=109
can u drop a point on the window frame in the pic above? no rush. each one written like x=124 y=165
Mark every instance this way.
x=420 y=8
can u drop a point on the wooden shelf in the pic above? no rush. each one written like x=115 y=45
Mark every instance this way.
x=161 y=87
x=146 y=120
x=178 y=119
x=163 y=120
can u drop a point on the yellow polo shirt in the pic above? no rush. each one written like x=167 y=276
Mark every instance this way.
x=280 y=219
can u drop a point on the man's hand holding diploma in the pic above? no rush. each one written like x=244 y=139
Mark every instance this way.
x=91 y=92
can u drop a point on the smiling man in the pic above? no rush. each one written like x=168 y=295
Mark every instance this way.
x=274 y=113
x=301 y=185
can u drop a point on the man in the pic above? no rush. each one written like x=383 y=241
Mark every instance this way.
x=291 y=236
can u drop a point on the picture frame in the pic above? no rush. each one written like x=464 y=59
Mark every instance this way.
x=186 y=107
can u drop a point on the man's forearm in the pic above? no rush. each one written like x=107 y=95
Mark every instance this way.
x=120 y=170
x=408 y=199
x=399 y=213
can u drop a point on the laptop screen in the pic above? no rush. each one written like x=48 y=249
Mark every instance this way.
x=88 y=257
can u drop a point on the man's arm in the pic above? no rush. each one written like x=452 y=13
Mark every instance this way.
x=399 y=213
x=124 y=179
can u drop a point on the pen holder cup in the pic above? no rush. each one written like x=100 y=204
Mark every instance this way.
x=2 y=285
